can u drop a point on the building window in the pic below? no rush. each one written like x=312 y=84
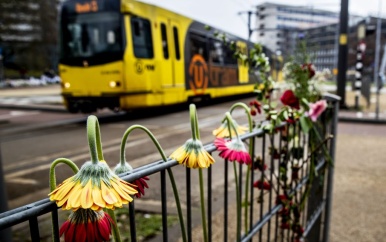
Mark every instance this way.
x=262 y=17
x=261 y=26
x=261 y=33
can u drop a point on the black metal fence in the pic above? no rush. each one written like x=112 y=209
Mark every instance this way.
x=278 y=210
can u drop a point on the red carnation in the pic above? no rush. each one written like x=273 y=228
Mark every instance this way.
x=262 y=185
x=310 y=69
x=288 y=98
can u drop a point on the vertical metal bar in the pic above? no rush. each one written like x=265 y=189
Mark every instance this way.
x=133 y=231
x=278 y=182
x=55 y=224
x=188 y=204
x=209 y=203
x=5 y=235
x=34 y=229
x=376 y=61
x=226 y=201
x=240 y=198
x=251 y=186
x=164 y=207
x=330 y=178
x=304 y=212
x=272 y=168
x=261 y=198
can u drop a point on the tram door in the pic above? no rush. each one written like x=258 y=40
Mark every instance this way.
x=166 y=66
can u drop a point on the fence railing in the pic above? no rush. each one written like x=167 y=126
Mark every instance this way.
x=265 y=207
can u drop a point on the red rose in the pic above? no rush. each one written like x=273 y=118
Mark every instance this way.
x=310 y=69
x=288 y=98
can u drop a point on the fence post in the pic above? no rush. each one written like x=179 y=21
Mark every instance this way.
x=5 y=235
x=330 y=178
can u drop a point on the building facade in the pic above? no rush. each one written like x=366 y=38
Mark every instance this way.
x=276 y=23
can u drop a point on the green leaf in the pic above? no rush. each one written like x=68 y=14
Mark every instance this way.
x=285 y=114
x=306 y=124
x=305 y=103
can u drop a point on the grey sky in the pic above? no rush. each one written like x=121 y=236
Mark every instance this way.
x=223 y=13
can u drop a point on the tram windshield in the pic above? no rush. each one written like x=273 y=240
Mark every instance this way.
x=91 y=35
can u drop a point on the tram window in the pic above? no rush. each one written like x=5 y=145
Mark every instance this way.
x=216 y=52
x=176 y=42
x=142 y=41
x=198 y=46
x=229 y=57
x=164 y=38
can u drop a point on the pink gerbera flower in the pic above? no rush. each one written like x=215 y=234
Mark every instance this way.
x=233 y=150
x=316 y=109
x=87 y=225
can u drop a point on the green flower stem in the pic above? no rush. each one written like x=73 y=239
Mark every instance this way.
x=229 y=119
x=196 y=135
x=238 y=204
x=164 y=158
x=116 y=233
x=52 y=178
x=202 y=200
x=68 y=162
x=94 y=139
x=194 y=122
x=95 y=146
x=250 y=123
x=246 y=198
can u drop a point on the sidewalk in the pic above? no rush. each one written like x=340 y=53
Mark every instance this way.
x=359 y=186
x=31 y=91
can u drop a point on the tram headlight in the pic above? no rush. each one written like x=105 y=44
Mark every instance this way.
x=114 y=84
x=66 y=85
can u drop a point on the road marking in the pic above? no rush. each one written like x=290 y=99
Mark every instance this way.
x=23 y=181
x=177 y=129
x=13 y=114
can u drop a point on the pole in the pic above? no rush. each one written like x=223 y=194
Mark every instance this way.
x=5 y=235
x=342 y=53
x=376 y=61
x=249 y=26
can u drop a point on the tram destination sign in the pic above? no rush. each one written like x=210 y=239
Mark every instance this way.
x=90 y=6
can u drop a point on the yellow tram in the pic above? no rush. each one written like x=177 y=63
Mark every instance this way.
x=124 y=54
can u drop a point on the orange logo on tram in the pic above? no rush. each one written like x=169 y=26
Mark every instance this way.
x=198 y=74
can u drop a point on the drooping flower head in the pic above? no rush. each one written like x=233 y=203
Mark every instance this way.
x=84 y=225
x=140 y=183
x=94 y=187
x=223 y=130
x=233 y=150
x=288 y=98
x=193 y=155
x=255 y=107
x=316 y=109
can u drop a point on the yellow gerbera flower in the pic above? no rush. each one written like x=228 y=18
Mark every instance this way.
x=193 y=155
x=94 y=187
x=223 y=130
